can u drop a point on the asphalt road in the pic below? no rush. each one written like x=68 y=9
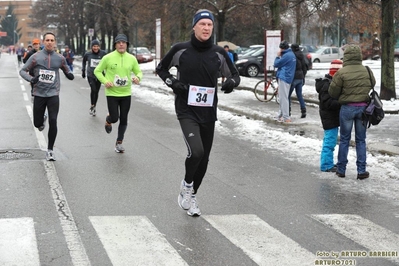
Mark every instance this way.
x=96 y=207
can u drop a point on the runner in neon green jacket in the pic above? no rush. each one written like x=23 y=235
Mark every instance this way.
x=118 y=67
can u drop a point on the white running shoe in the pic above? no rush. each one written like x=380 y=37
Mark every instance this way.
x=118 y=147
x=184 y=198
x=92 y=111
x=50 y=155
x=194 y=209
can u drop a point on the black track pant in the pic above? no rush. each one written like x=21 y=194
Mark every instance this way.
x=199 y=140
x=118 y=108
x=95 y=86
x=39 y=108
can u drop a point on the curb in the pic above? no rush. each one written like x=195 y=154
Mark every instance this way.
x=380 y=147
x=307 y=100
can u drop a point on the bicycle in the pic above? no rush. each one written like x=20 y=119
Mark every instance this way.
x=266 y=90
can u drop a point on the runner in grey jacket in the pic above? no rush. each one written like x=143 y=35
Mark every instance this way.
x=45 y=66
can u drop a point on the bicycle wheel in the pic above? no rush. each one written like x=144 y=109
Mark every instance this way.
x=261 y=91
x=275 y=91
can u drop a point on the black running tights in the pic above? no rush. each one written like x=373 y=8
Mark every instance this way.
x=39 y=108
x=199 y=140
x=118 y=108
x=95 y=86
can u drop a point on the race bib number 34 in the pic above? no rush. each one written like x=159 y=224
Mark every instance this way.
x=201 y=96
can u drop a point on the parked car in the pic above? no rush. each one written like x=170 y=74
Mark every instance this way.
x=366 y=48
x=308 y=56
x=309 y=47
x=142 y=54
x=252 y=49
x=396 y=55
x=252 y=63
x=325 y=54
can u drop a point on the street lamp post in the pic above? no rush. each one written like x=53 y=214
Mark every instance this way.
x=15 y=33
x=339 y=20
x=14 y=29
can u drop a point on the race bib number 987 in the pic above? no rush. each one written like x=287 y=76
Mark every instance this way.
x=201 y=96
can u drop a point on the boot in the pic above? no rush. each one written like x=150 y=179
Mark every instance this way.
x=303 y=112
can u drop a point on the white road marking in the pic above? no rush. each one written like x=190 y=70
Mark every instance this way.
x=264 y=244
x=362 y=231
x=74 y=242
x=134 y=240
x=18 y=242
x=39 y=135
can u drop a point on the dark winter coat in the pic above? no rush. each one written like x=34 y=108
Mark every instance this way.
x=351 y=84
x=328 y=107
x=301 y=69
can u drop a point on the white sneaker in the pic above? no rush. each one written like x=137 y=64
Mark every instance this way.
x=184 y=197
x=92 y=111
x=50 y=155
x=118 y=147
x=194 y=209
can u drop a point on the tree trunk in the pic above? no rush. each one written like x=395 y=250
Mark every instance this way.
x=298 y=23
x=387 y=48
x=275 y=10
x=221 y=17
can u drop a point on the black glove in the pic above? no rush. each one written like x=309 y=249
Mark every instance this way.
x=35 y=80
x=177 y=86
x=69 y=76
x=83 y=74
x=228 y=86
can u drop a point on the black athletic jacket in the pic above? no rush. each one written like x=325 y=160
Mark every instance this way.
x=329 y=107
x=198 y=63
x=90 y=61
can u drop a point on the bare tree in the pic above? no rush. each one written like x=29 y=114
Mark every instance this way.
x=387 y=47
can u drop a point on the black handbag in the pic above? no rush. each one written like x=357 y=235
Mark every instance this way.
x=374 y=112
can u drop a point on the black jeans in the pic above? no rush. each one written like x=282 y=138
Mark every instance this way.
x=199 y=140
x=95 y=86
x=118 y=108
x=39 y=108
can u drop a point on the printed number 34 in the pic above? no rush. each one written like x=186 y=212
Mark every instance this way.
x=201 y=98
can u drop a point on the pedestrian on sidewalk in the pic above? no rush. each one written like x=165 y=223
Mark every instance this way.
x=329 y=114
x=227 y=49
x=199 y=63
x=69 y=56
x=351 y=86
x=285 y=63
x=299 y=78
x=46 y=87
x=90 y=61
x=118 y=66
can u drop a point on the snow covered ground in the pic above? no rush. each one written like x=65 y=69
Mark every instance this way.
x=384 y=169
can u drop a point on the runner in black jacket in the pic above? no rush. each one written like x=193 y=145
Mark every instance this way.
x=35 y=48
x=199 y=64
x=91 y=60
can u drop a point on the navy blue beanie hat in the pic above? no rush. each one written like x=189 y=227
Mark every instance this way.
x=95 y=42
x=121 y=37
x=202 y=13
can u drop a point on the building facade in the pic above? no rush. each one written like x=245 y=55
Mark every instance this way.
x=23 y=14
